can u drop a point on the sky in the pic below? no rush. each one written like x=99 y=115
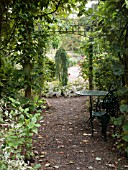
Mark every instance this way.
x=89 y=4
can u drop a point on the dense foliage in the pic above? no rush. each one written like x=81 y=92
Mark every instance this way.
x=25 y=30
x=108 y=33
x=114 y=27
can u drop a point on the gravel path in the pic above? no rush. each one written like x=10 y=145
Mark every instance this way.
x=65 y=143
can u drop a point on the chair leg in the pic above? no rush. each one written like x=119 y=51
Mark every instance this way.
x=104 y=120
x=104 y=131
x=92 y=126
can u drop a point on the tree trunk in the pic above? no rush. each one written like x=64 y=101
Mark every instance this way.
x=28 y=92
x=27 y=71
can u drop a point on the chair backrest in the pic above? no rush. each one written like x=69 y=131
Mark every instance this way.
x=111 y=103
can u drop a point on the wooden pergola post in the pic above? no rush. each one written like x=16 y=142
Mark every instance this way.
x=90 y=54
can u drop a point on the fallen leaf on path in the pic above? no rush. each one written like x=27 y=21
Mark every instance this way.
x=90 y=167
x=81 y=129
x=98 y=159
x=40 y=137
x=41 y=121
x=42 y=156
x=61 y=146
x=111 y=165
x=70 y=140
x=56 y=167
x=36 y=152
x=125 y=166
x=85 y=141
x=60 y=152
x=43 y=153
x=47 y=164
x=40 y=160
x=71 y=162
x=81 y=151
x=86 y=134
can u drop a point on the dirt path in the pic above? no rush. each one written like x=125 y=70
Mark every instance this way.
x=64 y=142
x=73 y=73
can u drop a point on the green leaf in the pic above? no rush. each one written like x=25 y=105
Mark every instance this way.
x=34 y=120
x=20 y=125
x=37 y=166
x=125 y=138
x=22 y=117
x=30 y=125
x=118 y=121
x=126 y=1
x=124 y=108
x=126 y=149
x=30 y=134
x=27 y=121
x=125 y=127
x=26 y=110
x=37 y=125
x=35 y=130
x=21 y=109
x=11 y=99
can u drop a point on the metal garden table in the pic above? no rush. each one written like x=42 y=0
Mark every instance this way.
x=91 y=93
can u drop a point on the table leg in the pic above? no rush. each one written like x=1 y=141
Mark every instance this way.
x=91 y=118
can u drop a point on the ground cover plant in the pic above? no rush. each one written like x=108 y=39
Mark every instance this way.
x=19 y=122
x=54 y=88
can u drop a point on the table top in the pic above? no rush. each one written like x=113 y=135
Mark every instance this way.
x=92 y=93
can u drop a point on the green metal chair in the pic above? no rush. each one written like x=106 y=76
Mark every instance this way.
x=104 y=110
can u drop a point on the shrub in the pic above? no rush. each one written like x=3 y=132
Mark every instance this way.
x=19 y=121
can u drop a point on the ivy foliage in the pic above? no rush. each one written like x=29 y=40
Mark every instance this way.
x=25 y=28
